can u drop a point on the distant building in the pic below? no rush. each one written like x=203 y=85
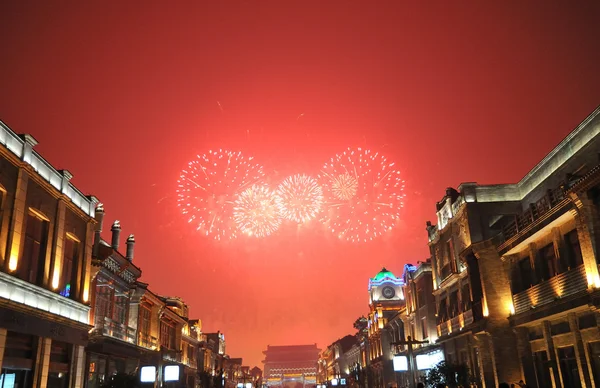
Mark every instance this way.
x=419 y=323
x=386 y=301
x=291 y=366
x=46 y=237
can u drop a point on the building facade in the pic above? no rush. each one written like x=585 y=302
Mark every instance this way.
x=386 y=301
x=291 y=366
x=515 y=270
x=46 y=235
x=112 y=347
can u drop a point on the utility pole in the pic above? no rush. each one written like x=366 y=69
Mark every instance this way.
x=411 y=362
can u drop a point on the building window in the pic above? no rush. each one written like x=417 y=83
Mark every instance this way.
x=542 y=368
x=144 y=327
x=68 y=276
x=442 y=312
x=595 y=361
x=524 y=276
x=120 y=303
x=575 y=258
x=424 y=328
x=420 y=298
x=451 y=257
x=466 y=297
x=548 y=261
x=167 y=336
x=60 y=363
x=568 y=367
x=31 y=264
x=102 y=304
x=453 y=306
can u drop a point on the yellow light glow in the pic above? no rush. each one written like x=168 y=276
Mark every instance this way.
x=461 y=320
x=486 y=311
x=558 y=288
x=449 y=324
x=12 y=263
x=85 y=295
x=511 y=308
x=55 y=277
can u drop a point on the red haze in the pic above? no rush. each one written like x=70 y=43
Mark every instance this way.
x=124 y=94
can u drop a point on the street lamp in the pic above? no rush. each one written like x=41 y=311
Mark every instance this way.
x=411 y=364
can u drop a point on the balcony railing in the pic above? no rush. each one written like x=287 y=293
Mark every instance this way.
x=455 y=324
x=147 y=341
x=559 y=286
x=114 y=329
x=535 y=211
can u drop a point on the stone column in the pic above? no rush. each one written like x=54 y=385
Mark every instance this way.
x=78 y=365
x=42 y=364
x=3 y=333
x=489 y=379
x=584 y=373
x=556 y=377
x=525 y=355
x=498 y=296
x=588 y=228
x=87 y=263
x=57 y=246
x=15 y=234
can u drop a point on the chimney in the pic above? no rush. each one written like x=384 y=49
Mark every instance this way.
x=116 y=233
x=98 y=228
x=130 y=244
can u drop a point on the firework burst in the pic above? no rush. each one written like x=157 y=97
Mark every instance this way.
x=256 y=211
x=207 y=189
x=364 y=195
x=301 y=198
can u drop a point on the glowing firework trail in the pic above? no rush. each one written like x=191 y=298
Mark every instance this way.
x=364 y=195
x=208 y=187
x=301 y=198
x=257 y=211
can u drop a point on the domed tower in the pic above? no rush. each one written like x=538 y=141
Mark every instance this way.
x=385 y=289
x=386 y=301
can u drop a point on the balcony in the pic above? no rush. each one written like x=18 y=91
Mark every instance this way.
x=117 y=330
x=455 y=324
x=536 y=211
x=147 y=341
x=557 y=287
x=20 y=291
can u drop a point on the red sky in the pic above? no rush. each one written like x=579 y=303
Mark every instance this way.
x=123 y=95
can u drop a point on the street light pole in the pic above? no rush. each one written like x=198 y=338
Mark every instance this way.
x=411 y=363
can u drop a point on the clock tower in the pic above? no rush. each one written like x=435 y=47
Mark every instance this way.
x=385 y=289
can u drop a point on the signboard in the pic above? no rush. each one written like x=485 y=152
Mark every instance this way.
x=148 y=374
x=334 y=382
x=400 y=363
x=172 y=373
x=428 y=361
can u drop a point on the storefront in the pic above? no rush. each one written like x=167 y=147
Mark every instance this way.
x=36 y=345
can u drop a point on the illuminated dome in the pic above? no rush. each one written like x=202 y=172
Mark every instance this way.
x=384 y=273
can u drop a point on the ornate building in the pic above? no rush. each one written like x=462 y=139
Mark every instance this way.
x=291 y=366
x=522 y=258
x=46 y=235
x=386 y=301
x=113 y=341
x=419 y=323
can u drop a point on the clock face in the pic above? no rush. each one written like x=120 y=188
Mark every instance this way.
x=388 y=292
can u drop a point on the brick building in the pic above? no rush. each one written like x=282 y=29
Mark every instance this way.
x=46 y=235
x=515 y=270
